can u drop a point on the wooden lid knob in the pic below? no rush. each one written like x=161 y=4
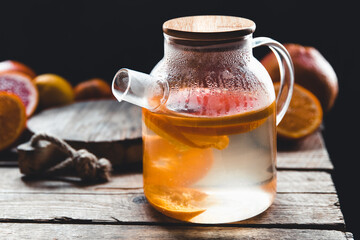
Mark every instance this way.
x=208 y=27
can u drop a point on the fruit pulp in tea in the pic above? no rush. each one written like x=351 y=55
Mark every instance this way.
x=210 y=169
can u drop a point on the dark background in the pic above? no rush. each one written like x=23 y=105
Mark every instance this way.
x=83 y=39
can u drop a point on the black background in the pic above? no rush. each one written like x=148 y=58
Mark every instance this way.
x=84 y=39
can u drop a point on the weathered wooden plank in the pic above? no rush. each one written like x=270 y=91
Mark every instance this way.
x=288 y=182
x=90 y=121
x=295 y=209
x=84 y=231
x=309 y=153
x=106 y=128
x=12 y=181
x=305 y=182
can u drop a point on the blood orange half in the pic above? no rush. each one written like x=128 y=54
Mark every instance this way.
x=15 y=66
x=21 y=85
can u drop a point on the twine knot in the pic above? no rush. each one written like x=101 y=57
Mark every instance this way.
x=87 y=165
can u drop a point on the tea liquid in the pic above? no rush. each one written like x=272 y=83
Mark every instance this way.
x=210 y=164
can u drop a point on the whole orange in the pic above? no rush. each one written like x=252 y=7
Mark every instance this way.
x=54 y=90
x=95 y=88
x=312 y=71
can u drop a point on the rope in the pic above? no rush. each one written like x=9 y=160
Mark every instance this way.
x=86 y=164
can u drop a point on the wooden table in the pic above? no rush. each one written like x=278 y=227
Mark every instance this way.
x=306 y=206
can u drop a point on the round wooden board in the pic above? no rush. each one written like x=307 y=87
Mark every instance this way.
x=105 y=127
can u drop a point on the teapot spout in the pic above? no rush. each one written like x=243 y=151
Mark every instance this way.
x=140 y=89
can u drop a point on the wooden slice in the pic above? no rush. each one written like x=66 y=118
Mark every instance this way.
x=208 y=27
x=106 y=128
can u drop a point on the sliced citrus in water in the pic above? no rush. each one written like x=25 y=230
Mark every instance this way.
x=208 y=118
x=162 y=126
x=12 y=118
x=21 y=85
x=164 y=164
x=303 y=116
x=176 y=202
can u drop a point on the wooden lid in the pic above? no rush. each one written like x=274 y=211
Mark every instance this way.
x=208 y=27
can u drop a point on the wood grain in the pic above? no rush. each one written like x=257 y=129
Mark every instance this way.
x=306 y=206
x=90 y=121
x=288 y=209
x=309 y=153
x=106 y=128
x=208 y=27
x=81 y=231
x=13 y=182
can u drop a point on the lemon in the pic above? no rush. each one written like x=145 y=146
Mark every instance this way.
x=53 y=90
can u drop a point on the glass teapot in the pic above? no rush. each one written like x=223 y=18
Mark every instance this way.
x=209 y=120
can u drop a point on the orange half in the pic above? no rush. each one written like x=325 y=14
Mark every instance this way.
x=12 y=118
x=164 y=164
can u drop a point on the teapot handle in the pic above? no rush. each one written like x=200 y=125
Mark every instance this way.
x=285 y=66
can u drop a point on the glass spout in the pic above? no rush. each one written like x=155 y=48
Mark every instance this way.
x=140 y=89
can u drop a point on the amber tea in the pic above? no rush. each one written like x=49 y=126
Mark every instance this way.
x=210 y=169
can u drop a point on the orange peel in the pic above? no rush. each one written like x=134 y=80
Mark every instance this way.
x=12 y=119
x=179 y=203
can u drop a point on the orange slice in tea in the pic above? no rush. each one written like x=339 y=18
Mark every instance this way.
x=207 y=126
x=179 y=203
x=166 y=165
x=303 y=116
x=162 y=126
x=227 y=125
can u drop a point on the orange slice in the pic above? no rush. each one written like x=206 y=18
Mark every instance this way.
x=164 y=164
x=303 y=116
x=12 y=118
x=204 y=132
x=162 y=126
x=179 y=203
x=204 y=119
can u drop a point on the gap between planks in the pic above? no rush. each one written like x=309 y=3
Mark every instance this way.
x=82 y=231
x=13 y=182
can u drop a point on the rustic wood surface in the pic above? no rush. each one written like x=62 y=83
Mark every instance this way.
x=306 y=206
x=106 y=128
x=93 y=231
x=90 y=121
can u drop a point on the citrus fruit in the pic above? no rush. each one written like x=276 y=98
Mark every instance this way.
x=176 y=202
x=165 y=164
x=53 y=90
x=21 y=85
x=225 y=114
x=95 y=88
x=11 y=65
x=303 y=116
x=12 y=118
x=161 y=125
x=312 y=71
